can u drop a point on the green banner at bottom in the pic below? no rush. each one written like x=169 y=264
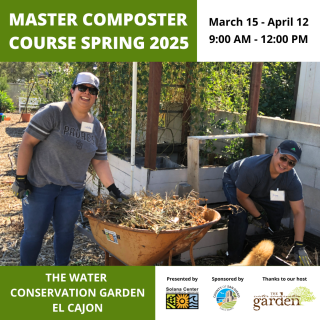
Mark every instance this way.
x=67 y=292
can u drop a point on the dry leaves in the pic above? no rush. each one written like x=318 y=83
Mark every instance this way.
x=148 y=211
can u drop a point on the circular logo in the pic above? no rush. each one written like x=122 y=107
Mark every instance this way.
x=226 y=298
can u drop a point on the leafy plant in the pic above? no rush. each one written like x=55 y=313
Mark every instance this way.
x=277 y=89
x=4 y=84
x=6 y=103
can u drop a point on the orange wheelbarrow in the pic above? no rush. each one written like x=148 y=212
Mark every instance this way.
x=140 y=247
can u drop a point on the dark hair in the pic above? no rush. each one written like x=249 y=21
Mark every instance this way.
x=73 y=88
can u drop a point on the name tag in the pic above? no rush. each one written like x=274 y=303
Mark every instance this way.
x=277 y=195
x=87 y=127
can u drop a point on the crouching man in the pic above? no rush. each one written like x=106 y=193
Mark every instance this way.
x=267 y=180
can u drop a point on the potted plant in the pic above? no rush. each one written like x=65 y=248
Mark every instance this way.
x=25 y=116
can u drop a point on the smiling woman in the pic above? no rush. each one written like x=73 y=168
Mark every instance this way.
x=60 y=142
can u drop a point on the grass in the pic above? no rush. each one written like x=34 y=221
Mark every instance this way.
x=229 y=305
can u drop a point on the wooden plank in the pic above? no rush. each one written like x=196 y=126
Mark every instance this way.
x=213 y=241
x=122 y=177
x=92 y=185
x=119 y=163
x=193 y=163
x=211 y=173
x=170 y=175
x=124 y=188
x=228 y=136
x=163 y=188
x=125 y=166
x=144 y=177
x=258 y=145
x=210 y=185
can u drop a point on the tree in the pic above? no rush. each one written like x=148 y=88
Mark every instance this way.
x=18 y=71
x=3 y=84
x=53 y=81
x=303 y=294
x=277 y=89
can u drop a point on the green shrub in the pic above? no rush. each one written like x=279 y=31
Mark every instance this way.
x=3 y=84
x=6 y=103
x=277 y=89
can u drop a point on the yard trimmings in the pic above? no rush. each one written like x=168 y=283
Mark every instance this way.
x=148 y=211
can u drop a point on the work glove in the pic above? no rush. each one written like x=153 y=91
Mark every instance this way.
x=116 y=193
x=21 y=187
x=261 y=222
x=300 y=254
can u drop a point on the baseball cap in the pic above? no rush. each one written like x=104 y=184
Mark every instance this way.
x=291 y=148
x=86 y=77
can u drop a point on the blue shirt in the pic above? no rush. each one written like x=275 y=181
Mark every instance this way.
x=252 y=176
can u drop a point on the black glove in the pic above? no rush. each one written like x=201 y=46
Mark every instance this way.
x=300 y=254
x=116 y=193
x=261 y=222
x=21 y=186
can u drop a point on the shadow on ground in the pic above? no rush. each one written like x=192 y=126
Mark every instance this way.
x=15 y=131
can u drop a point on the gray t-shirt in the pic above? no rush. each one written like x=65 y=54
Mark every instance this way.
x=252 y=176
x=64 y=153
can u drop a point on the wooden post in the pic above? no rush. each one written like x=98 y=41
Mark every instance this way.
x=258 y=145
x=254 y=94
x=186 y=113
x=153 y=114
x=252 y=115
x=193 y=163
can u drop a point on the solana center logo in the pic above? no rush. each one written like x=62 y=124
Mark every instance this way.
x=226 y=297
x=182 y=301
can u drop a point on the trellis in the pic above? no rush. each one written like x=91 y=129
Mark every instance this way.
x=196 y=87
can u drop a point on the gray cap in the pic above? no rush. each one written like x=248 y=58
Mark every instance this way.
x=86 y=78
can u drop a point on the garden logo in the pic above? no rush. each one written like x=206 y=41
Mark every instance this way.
x=182 y=301
x=294 y=298
x=226 y=297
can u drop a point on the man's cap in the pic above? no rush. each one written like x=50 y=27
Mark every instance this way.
x=86 y=78
x=291 y=148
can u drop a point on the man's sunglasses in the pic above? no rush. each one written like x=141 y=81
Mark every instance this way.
x=93 y=91
x=290 y=162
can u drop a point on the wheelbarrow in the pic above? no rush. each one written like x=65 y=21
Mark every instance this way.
x=140 y=247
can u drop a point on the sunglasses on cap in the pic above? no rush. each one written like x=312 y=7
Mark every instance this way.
x=83 y=88
x=286 y=159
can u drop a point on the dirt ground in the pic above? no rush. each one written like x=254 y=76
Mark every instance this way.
x=84 y=252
